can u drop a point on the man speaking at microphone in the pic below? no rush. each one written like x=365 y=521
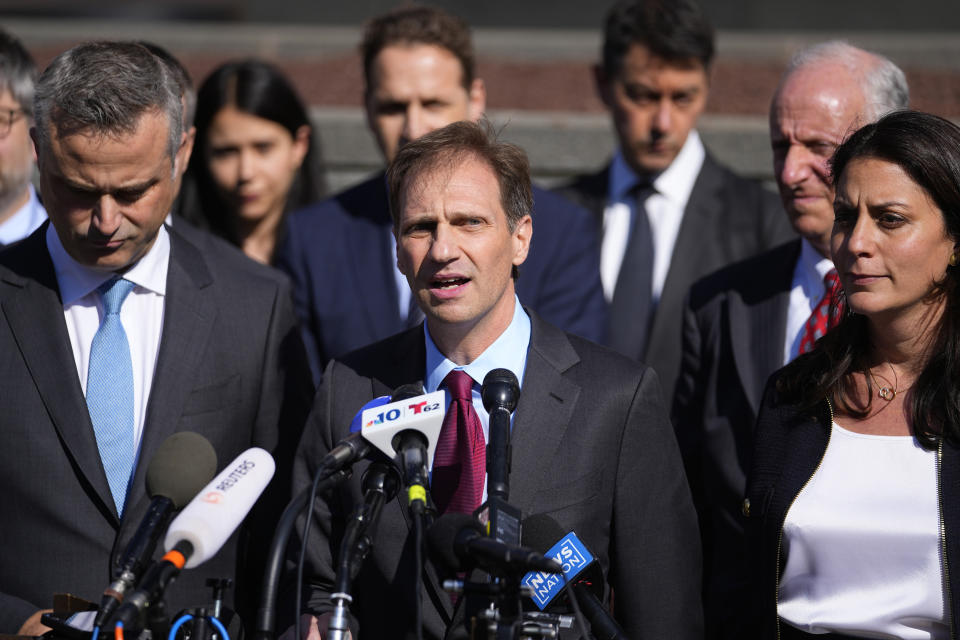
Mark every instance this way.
x=592 y=445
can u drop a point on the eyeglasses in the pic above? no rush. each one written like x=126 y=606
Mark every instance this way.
x=7 y=118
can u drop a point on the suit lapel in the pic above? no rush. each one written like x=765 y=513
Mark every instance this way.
x=36 y=320
x=372 y=258
x=758 y=322
x=547 y=401
x=188 y=317
x=700 y=218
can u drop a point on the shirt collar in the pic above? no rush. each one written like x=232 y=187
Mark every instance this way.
x=813 y=266
x=675 y=182
x=23 y=222
x=76 y=280
x=509 y=351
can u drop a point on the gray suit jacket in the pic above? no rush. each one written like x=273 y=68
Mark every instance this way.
x=230 y=366
x=728 y=218
x=734 y=331
x=591 y=446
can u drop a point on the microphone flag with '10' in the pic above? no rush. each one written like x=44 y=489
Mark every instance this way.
x=422 y=413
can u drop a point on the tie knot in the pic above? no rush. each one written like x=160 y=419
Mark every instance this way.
x=831 y=280
x=113 y=292
x=459 y=384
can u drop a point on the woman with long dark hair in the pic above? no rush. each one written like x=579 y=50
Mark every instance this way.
x=852 y=520
x=254 y=158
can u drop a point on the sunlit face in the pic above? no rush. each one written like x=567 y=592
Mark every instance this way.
x=16 y=154
x=107 y=195
x=889 y=240
x=456 y=249
x=253 y=162
x=813 y=112
x=655 y=104
x=416 y=89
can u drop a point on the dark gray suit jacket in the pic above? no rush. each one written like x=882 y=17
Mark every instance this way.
x=734 y=331
x=231 y=367
x=592 y=447
x=728 y=218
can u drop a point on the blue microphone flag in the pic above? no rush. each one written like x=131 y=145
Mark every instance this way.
x=572 y=555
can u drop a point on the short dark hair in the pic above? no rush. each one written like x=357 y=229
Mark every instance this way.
x=106 y=87
x=927 y=148
x=453 y=143
x=675 y=31
x=18 y=71
x=414 y=25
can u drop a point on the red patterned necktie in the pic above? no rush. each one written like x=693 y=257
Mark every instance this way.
x=826 y=315
x=460 y=461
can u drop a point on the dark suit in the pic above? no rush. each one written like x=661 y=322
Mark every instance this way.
x=728 y=218
x=591 y=446
x=339 y=256
x=734 y=331
x=230 y=367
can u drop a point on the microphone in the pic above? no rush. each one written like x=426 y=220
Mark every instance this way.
x=354 y=446
x=210 y=518
x=181 y=466
x=500 y=392
x=406 y=430
x=584 y=576
x=457 y=543
x=201 y=529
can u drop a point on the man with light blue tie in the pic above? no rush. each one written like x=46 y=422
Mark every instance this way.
x=116 y=332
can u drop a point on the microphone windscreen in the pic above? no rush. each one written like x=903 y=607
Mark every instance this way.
x=182 y=465
x=500 y=388
x=442 y=540
x=540 y=532
x=406 y=391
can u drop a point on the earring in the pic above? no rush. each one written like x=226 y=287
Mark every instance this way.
x=954 y=259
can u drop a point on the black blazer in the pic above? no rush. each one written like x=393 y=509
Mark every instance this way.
x=339 y=255
x=592 y=447
x=728 y=218
x=230 y=367
x=790 y=443
x=734 y=328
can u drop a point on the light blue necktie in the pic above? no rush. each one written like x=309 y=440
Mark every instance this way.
x=110 y=390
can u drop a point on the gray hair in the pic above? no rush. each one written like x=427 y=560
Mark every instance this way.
x=18 y=72
x=883 y=84
x=105 y=88
x=187 y=90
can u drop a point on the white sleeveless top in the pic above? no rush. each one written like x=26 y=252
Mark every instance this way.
x=862 y=543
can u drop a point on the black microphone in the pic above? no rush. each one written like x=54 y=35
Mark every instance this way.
x=411 y=446
x=500 y=393
x=181 y=466
x=457 y=543
x=584 y=576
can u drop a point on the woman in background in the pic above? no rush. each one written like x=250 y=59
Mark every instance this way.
x=852 y=516
x=254 y=157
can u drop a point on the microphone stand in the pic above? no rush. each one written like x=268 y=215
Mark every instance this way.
x=380 y=483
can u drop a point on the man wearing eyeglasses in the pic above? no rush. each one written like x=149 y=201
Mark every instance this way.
x=20 y=209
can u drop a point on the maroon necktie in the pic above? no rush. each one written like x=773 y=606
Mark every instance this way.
x=460 y=461
x=826 y=315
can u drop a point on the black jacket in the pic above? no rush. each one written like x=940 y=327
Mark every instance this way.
x=789 y=444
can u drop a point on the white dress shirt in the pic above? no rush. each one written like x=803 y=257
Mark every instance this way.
x=664 y=210
x=24 y=221
x=141 y=314
x=805 y=293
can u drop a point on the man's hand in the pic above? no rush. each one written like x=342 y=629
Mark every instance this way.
x=310 y=628
x=33 y=626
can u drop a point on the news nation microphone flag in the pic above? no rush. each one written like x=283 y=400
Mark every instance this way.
x=572 y=555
